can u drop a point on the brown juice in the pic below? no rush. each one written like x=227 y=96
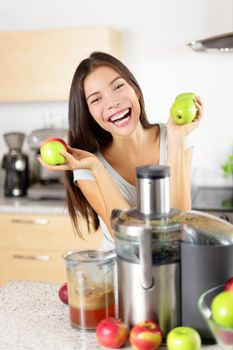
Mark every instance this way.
x=89 y=319
x=88 y=308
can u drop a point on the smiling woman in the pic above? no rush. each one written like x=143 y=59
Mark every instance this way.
x=109 y=136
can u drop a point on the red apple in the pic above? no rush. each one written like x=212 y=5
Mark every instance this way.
x=63 y=293
x=58 y=139
x=51 y=150
x=112 y=333
x=146 y=335
x=229 y=284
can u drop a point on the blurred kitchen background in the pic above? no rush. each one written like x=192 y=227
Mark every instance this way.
x=154 y=38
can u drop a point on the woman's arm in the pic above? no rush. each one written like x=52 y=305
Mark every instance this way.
x=102 y=194
x=180 y=161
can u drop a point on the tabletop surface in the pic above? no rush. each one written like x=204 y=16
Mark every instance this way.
x=32 y=317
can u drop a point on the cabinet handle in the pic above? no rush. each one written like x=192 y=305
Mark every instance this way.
x=38 y=221
x=32 y=257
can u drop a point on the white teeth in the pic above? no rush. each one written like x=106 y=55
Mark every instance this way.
x=118 y=116
x=121 y=121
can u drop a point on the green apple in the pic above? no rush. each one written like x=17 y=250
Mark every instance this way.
x=184 y=110
x=183 y=338
x=222 y=309
x=51 y=151
x=189 y=95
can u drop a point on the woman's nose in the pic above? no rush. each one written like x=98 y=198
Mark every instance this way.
x=113 y=104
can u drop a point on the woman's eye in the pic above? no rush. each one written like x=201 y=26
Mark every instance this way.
x=95 y=100
x=119 y=86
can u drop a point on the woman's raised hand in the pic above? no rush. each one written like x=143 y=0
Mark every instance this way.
x=186 y=129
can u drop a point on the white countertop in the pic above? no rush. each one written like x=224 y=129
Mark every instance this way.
x=32 y=317
x=23 y=205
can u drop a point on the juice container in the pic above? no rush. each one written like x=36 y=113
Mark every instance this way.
x=91 y=295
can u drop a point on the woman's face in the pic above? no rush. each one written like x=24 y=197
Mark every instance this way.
x=112 y=102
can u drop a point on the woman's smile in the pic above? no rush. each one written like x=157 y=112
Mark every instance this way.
x=120 y=118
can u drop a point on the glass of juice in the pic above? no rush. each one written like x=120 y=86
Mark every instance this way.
x=91 y=293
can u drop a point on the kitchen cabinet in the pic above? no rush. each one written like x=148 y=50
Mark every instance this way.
x=39 y=65
x=31 y=246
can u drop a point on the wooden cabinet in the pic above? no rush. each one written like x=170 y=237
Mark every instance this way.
x=31 y=246
x=39 y=65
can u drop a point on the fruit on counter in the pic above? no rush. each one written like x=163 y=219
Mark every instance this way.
x=222 y=309
x=146 y=335
x=229 y=284
x=63 y=293
x=184 y=110
x=51 y=150
x=112 y=333
x=183 y=338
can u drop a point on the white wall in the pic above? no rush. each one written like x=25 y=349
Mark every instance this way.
x=155 y=34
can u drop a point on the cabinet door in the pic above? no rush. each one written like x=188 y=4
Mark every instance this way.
x=31 y=246
x=31 y=265
x=47 y=232
x=38 y=65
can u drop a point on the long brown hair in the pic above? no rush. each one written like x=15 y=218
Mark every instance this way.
x=85 y=134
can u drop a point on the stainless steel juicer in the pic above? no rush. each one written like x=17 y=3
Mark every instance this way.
x=167 y=258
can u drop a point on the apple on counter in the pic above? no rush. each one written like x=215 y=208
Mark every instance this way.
x=63 y=293
x=112 y=333
x=183 y=338
x=184 y=110
x=146 y=335
x=51 y=150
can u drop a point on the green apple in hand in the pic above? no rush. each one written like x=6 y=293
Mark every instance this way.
x=222 y=309
x=184 y=110
x=51 y=151
x=184 y=95
x=183 y=338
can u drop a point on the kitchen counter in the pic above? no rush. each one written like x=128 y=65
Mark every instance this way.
x=32 y=317
x=23 y=205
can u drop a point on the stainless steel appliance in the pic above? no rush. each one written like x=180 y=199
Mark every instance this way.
x=15 y=163
x=167 y=258
x=45 y=184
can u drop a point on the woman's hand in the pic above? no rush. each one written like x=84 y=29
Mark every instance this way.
x=183 y=130
x=75 y=159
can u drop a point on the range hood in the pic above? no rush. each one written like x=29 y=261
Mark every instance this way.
x=214 y=44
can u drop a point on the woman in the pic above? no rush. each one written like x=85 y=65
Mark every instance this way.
x=109 y=136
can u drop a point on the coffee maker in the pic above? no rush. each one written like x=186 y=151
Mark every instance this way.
x=167 y=258
x=16 y=167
